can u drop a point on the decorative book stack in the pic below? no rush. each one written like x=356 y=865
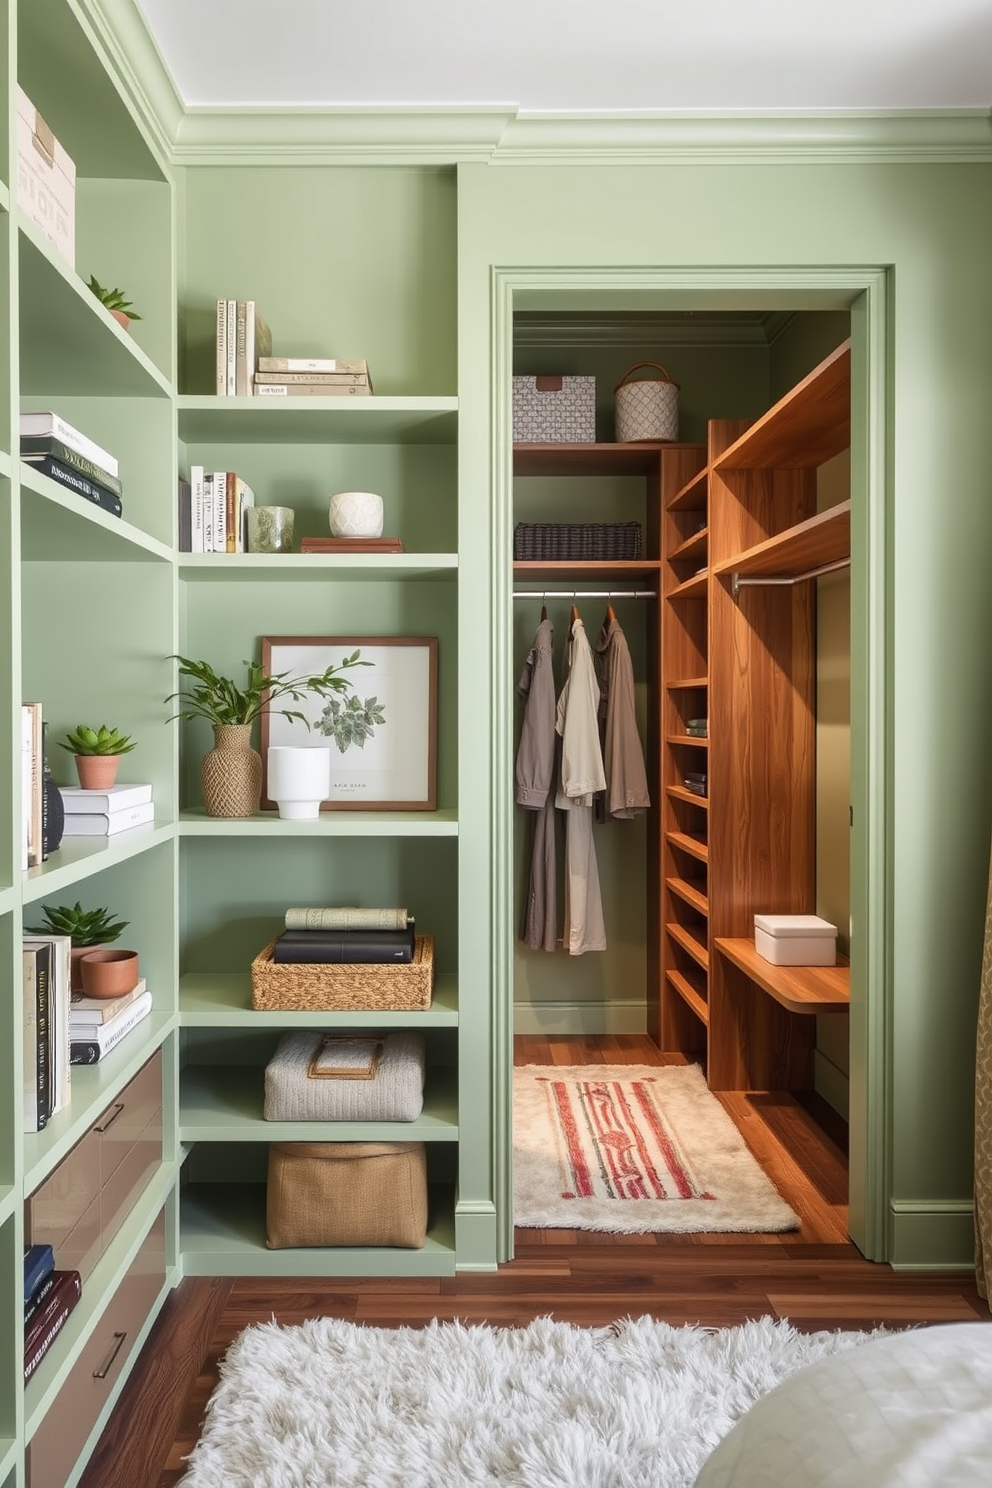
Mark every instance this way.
x=213 y=507
x=351 y=545
x=55 y=447
x=97 y=1024
x=346 y=936
x=242 y=337
x=104 y=813
x=46 y=965
x=312 y=377
x=49 y=1297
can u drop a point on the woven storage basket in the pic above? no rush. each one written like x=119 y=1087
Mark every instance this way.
x=554 y=410
x=346 y=1193
x=646 y=407
x=305 y=987
x=550 y=541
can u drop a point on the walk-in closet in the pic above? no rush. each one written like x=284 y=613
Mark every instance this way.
x=734 y=608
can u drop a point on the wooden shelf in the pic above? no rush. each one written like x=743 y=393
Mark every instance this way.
x=800 y=989
x=684 y=683
x=689 y=943
x=810 y=425
x=694 y=846
x=689 y=892
x=630 y=570
x=689 y=996
x=590 y=459
x=692 y=740
x=825 y=538
x=692 y=496
x=679 y=793
x=694 y=588
x=692 y=547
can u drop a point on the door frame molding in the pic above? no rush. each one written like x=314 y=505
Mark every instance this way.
x=866 y=292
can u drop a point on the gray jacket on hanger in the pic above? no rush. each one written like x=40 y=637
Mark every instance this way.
x=535 y=772
x=623 y=757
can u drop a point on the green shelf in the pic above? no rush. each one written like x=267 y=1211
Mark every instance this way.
x=98 y=1291
x=8 y=901
x=94 y=1087
x=196 y=823
x=79 y=858
x=9 y=1456
x=375 y=420
x=69 y=343
x=5 y=465
x=220 y=1103
x=8 y=1202
x=4 y=197
x=223 y=1000
x=222 y=1233
x=320 y=567
x=57 y=525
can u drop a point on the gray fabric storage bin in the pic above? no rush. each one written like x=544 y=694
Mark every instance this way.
x=395 y=1092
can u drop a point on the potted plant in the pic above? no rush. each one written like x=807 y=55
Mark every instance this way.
x=120 y=308
x=98 y=754
x=87 y=928
x=231 y=772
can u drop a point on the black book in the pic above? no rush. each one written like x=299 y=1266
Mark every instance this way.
x=43 y=1028
x=35 y=447
x=185 y=522
x=350 y=947
x=83 y=485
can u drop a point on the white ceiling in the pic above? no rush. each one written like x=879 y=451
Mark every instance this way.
x=578 y=55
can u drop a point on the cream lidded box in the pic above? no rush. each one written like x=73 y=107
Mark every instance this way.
x=795 y=940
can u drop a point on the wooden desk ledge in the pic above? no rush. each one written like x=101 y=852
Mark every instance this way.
x=800 y=989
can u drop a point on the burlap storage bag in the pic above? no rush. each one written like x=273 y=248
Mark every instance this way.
x=646 y=407
x=346 y=1193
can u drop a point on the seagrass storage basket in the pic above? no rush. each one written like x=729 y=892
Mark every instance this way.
x=304 y=987
x=647 y=408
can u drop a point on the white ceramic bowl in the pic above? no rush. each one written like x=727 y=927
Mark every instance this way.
x=355 y=514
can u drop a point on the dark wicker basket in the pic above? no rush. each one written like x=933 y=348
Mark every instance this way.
x=576 y=541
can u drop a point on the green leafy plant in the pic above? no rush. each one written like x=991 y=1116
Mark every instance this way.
x=85 y=740
x=351 y=722
x=219 y=700
x=88 y=927
x=113 y=298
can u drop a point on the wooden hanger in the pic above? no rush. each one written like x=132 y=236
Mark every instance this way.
x=574 y=615
x=544 y=612
x=610 y=616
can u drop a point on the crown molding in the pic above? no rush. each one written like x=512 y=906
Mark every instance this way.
x=503 y=134
x=534 y=329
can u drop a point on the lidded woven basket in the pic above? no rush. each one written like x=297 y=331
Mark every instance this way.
x=646 y=407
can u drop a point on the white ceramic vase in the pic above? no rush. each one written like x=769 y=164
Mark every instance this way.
x=355 y=514
x=299 y=778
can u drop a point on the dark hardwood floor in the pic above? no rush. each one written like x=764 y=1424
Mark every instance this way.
x=814 y=1277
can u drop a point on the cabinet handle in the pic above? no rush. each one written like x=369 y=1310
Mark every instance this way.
x=118 y=1108
x=118 y=1345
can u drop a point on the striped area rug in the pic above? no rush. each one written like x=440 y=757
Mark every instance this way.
x=631 y=1149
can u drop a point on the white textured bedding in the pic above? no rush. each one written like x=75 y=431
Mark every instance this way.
x=909 y=1410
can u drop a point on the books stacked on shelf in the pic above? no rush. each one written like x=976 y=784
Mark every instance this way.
x=97 y=1025
x=312 y=377
x=346 y=935
x=46 y=979
x=242 y=337
x=695 y=781
x=696 y=728
x=213 y=511
x=49 y=1297
x=32 y=785
x=104 y=813
x=55 y=447
x=351 y=545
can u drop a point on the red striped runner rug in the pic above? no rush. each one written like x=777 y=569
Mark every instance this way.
x=634 y=1148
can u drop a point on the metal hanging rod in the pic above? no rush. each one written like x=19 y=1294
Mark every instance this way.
x=585 y=594
x=752 y=581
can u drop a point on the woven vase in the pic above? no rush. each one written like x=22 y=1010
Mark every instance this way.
x=231 y=772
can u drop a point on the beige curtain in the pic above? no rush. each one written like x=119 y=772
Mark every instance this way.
x=983 y=1118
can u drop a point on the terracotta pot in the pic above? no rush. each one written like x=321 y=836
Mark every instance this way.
x=109 y=972
x=97 y=771
x=122 y=318
x=231 y=772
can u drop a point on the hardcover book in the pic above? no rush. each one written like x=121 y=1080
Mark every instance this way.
x=34 y=424
x=37 y=1036
x=86 y=1012
x=59 y=996
x=349 y=947
x=108 y=823
x=65 y=1295
x=351 y=545
x=317 y=379
x=312 y=364
x=101 y=1039
x=81 y=484
x=114 y=798
x=39 y=1262
x=35 y=448
x=310 y=390
x=347 y=917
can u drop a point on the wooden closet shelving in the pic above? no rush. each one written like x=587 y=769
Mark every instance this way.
x=744 y=657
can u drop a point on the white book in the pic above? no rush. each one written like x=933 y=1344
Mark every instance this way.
x=221 y=340
x=27 y=746
x=99 y=1041
x=59 y=998
x=196 y=508
x=85 y=1012
x=51 y=423
x=218 y=492
x=312 y=364
x=108 y=823
x=114 y=798
x=232 y=346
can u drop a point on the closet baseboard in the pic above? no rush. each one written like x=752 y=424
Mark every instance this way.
x=616 y=1016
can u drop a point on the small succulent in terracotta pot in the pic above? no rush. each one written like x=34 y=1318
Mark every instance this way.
x=87 y=928
x=108 y=972
x=114 y=299
x=97 y=753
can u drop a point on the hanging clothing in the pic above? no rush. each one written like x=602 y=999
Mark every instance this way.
x=535 y=773
x=623 y=756
x=582 y=775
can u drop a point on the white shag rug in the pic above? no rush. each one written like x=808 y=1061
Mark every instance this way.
x=634 y=1148
x=332 y=1404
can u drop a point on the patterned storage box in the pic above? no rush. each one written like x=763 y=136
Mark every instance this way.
x=554 y=410
x=576 y=541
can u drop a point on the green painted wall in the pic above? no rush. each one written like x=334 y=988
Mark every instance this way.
x=932 y=225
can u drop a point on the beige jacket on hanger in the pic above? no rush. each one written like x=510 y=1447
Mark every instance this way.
x=582 y=775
